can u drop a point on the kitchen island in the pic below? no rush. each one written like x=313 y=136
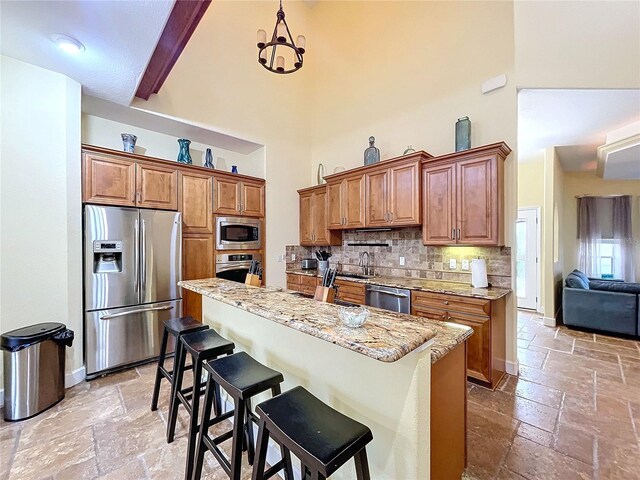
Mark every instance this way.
x=384 y=374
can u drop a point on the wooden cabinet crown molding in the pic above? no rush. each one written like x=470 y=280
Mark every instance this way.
x=500 y=149
x=168 y=163
x=382 y=165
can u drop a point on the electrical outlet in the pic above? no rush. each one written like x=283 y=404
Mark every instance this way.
x=280 y=258
x=452 y=264
x=402 y=261
x=465 y=264
x=293 y=257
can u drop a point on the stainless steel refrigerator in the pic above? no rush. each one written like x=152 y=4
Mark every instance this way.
x=132 y=264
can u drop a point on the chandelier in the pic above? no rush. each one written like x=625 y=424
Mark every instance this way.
x=281 y=38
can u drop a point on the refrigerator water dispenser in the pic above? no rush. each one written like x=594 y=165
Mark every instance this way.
x=107 y=256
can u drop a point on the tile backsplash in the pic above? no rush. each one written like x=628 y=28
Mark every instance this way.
x=420 y=261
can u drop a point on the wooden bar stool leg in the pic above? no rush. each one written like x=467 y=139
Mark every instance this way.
x=362 y=466
x=249 y=433
x=238 y=438
x=178 y=375
x=288 y=466
x=261 y=452
x=193 y=423
x=209 y=398
x=156 y=385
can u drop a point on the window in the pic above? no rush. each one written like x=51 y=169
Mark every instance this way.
x=609 y=259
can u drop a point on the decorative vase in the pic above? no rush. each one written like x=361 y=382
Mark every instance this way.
x=234 y=169
x=371 y=154
x=183 y=155
x=208 y=159
x=320 y=174
x=128 y=142
x=409 y=150
x=463 y=134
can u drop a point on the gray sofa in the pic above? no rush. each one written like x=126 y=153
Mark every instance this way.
x=606 y=305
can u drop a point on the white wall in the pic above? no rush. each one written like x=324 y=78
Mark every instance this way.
x=106 y=133
x=40 y=203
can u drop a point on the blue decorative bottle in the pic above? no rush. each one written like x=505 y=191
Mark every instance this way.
x=463 y=134
x=183 y=155
x=208 y=163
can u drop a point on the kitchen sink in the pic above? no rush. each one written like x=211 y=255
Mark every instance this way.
x=352 y=275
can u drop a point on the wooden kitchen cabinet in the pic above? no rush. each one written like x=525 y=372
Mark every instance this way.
x=393 y=196
x=196 y=202
x=463 y=197
x=346 y=203
x=313 y=218
x=197 y=263
x=347 y=291
x=108 y=181
x=239 y=197
x=486 y=348
x=156 y=186
x=303 y=283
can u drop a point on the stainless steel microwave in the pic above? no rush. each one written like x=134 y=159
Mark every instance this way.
x=238 y=233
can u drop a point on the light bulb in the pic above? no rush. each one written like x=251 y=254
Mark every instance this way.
x=280 y=64
x=263 y=56
x=300 y=43
x=262 y=38
x=67 y=44
x=282 y=32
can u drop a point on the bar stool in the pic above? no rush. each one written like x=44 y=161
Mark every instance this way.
x=321 y=437
x=242 y=378
x=176 y=327
x=204 y=346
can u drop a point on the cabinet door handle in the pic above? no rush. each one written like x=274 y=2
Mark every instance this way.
x=446 y=302
x=138 y=197
x=458 y=237
x=453 y=234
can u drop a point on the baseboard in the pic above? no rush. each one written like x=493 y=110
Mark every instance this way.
x=512 y=368
x=549 y=321
x=70 y=379
x=74 y=377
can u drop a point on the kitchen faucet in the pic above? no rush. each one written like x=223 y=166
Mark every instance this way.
x=366 y=265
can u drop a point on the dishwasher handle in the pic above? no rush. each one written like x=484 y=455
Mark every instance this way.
x=387 y=292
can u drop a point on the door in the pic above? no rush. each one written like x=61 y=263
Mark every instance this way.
x=117 y=286
x=478 y=345
x=196 y=203
x=404 y=195
x=252 y=199
x=335 y=218
x=123 y=336
x=476 y=203
x=527 y=258
x=354 y=207
x=438 y=210
x=110 y=181
x=306 y=218
x=226 y=194
x=156 y=186
x=377 y=195
x=160 y=255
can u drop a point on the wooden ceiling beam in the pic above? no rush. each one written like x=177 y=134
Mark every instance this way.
x=182 y=22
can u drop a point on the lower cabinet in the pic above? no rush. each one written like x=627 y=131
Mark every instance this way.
x=346 y=291
x=302 y=283
x=352 y=292
x=486 y=348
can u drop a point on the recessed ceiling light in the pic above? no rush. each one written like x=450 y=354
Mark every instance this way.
x=67 y=44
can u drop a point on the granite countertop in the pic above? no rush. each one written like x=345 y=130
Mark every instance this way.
x=386 y=336
x=421 y=284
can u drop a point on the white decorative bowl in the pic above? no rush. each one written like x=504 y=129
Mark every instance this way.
x=353 y=317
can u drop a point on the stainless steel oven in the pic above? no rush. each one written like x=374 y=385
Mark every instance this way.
x=235 y=266
x=238 y=233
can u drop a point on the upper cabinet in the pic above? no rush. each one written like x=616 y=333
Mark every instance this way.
x=393 y=195
x=156 y=186
x=107 y=180
x=314 y=229
x=238 y=196
x=346 y=202
x=463 y=197
x=196 y=202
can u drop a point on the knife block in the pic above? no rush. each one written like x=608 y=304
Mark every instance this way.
x=324 y=294
x=253 y=280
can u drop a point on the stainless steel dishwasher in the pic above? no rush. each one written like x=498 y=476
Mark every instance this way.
x=394 y=299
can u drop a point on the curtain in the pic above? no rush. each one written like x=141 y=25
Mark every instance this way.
x=622 y=232
x=602 y=222
x=590 y=236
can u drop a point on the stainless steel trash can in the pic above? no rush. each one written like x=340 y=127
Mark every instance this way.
x=33 y=359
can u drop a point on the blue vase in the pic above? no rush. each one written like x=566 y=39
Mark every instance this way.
x=208 y=159
x=183 y=155
x=234 y=169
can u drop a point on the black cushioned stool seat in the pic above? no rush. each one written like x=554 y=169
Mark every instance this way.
x=241 y=377
x=204 y=345
x=174 y=327
x=321 y=437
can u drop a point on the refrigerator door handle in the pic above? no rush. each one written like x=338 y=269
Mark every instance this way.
x=140 y=310
x=136 y=260
x=143 y=250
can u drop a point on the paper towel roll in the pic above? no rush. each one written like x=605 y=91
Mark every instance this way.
x=479 y=273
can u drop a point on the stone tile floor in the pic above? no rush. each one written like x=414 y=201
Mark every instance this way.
x=574 y=413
